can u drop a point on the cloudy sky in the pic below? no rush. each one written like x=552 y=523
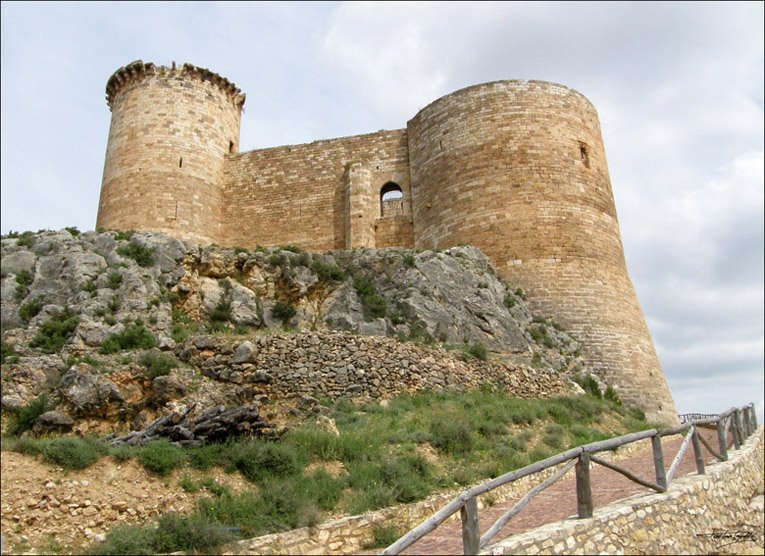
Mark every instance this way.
x=678 y=87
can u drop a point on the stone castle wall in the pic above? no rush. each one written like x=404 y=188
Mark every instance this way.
x=516 y=168
x=303 y=194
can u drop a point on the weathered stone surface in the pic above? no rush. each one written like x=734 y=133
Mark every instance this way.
x=53 y=421
x=87 y=393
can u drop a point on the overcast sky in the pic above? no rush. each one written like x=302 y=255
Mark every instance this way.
x=678 y=87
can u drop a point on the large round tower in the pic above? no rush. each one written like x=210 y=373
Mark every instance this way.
x=518 y=169
x=170 y=131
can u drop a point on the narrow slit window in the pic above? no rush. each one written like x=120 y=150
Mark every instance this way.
x=584 y=154
x=231 y=147
x=180 y=163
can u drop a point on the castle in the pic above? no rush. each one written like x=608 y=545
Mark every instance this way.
x=516 y=168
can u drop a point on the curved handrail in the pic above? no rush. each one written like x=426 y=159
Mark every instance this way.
x=742 y=423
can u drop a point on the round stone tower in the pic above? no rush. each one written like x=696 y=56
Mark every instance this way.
x=170 y=131
x=518 y=169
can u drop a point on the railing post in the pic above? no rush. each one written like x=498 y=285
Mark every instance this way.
x=470 y=534
x=746 y=422
x=734 y=430
x=754 y=419
x=697 y=452
x=721 y=439
x=658 y=461
x=583 y=488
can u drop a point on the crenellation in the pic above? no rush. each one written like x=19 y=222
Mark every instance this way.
x=516 y=168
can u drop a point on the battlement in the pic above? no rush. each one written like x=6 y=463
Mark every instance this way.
x=138 y=69
x=516 y=168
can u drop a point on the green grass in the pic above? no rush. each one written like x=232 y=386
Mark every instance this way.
x=373 y=304
x=477 y=435
x=26 y=416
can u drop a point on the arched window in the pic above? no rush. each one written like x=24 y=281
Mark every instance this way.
x=391 y=199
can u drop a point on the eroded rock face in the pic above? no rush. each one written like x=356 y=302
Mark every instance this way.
x=153 y=286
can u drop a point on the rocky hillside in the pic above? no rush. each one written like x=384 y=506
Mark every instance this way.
x=118 y=328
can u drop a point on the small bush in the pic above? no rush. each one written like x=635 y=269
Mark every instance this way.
x=157 y=364
x=160 y=457
x=383 y=536
x=24 y=278
x=71 y=453
x=409 y=260
x=188 y=485
x=73 y=230
x=126 y=539
x=327 y=272
x=31 y=308
x=451 y=437
x=509 y=300
x=143 y=256
x=124 y=235
x=259 y=460
x=27 y=415
x=611 y=395
x=291 y=248
x=519 y=293
x=222 y=311
x=283 y=310
x=27 y=239
x=6 y=351
x=54 y=333
x=134 y=336
x=478 y=351
x=114 y=280
x=589 y=385
x=90 y=287
x=374 y=305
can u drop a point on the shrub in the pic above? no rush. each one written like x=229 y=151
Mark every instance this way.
x=189 y=533
x=124 y=235
x=90 y=287
x=54 y=333
x=612 y=395
x=477 y=350
x=134 y=336
x=71 y=453
x=160 y=457
x=327 y=272
x=589 y=385
x=31 y=308
x=27 y=415
x=374 y=305
x=6 y=351
x=142 y=255
x=126 y=539
x=188 y=485
x=157 y=364
x=259 y=460
x=222 y=311
x=291 y=248
x=283 y=310
x=24 y=278
x=383 y=536
x=509 y=300
x=519 y=293
x=451 y=437
x=409 y=260
x=114 y=280
x=73 y=230
x=26 y=239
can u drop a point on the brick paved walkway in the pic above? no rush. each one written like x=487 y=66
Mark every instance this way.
x=558 y=502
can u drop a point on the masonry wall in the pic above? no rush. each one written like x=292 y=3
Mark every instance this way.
x=518 y=169
x=170 y=130
x=301 y=194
